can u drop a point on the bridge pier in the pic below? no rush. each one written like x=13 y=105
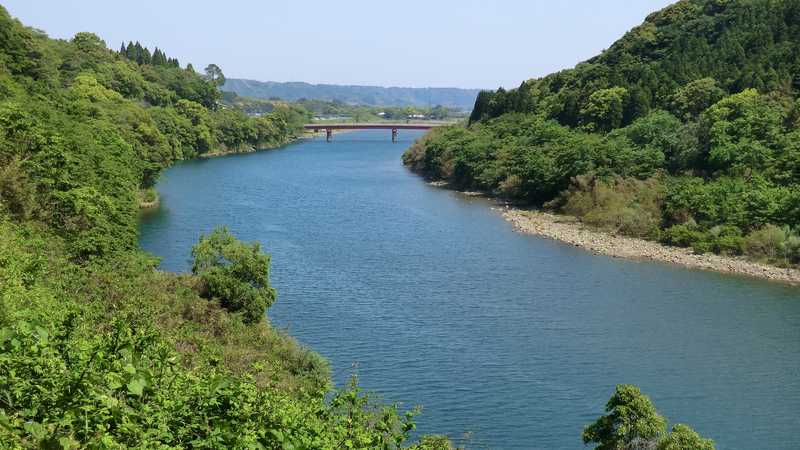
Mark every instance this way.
x=328 y=134
x=394 y=135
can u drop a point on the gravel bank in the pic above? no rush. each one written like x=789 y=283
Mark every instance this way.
x=570 y=231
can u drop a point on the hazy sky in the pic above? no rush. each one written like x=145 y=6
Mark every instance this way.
x=461 y=43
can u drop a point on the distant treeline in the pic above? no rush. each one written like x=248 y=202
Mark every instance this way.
x=135 y=52
x=462 y=99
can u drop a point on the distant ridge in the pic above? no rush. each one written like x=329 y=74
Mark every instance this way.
x=358 y=95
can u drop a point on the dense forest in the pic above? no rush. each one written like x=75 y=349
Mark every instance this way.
x=97 y=348
x=685 y=131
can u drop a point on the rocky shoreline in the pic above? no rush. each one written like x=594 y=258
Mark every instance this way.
x=571 y=231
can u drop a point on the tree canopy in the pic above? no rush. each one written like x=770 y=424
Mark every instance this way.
x=632 y=423
x=683 y=131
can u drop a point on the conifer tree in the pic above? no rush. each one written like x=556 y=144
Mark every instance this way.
x=130 y=51
x=137 y=52
x=158 y=57
x=146 y=57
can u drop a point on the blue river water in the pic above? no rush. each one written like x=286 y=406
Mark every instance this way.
x=507 y=341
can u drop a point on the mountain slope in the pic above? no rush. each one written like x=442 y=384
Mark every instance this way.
x=740 y=44
x=358 y=95
x=685 y=130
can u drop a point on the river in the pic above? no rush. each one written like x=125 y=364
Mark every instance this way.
x=514 y=341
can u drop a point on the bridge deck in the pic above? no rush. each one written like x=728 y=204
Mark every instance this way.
x=371 y=126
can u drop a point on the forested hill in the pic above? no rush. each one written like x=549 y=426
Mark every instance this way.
x=98 y=349
x=462 y=99
x=686 y=131
x=738 y=44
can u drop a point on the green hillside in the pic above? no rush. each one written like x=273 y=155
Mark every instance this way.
x=738 y=44
x=684 y=131
x=97 y=348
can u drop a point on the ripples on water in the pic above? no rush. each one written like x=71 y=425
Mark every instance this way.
x=516 y=340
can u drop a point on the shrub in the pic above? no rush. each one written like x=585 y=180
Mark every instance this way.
x=622 y=205
x=17 y=192
x=234 y=272
x=726 y=240
x=682 y=235
x=774 y=244
x=684 y=437
x=766 y=242
x=729 y=245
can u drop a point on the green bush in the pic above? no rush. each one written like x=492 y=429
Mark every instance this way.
x=682 y=235
x=726 y=240
x=626 y=206
x=767 y=242
x=683 y=437
x=234 y=272
x=779 y=245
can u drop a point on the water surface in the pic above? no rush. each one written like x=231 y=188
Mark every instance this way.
x=515 y=340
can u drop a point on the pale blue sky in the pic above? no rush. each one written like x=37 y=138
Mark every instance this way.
x=420 y=43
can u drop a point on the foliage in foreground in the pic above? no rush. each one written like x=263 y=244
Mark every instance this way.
x=235 y=273
x=632 y=423
x=116 y=354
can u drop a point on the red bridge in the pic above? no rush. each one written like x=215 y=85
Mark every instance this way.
x=329 y=127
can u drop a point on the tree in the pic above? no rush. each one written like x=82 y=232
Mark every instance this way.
x=604 y=109
x=631 y=420
x=684 y=438
x=694 y=98
x=130 y=51
x=234 y=272
x=159 y=58
x=138 y=53
x=214 y=74
x=88 y=42
x=743 y=132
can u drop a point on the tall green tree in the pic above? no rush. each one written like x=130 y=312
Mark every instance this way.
x=604 y=110
x=214 y=74
x=234 y=272
x=631 y=420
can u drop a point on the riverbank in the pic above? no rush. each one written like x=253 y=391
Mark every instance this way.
x=149 y=199
x=570 y=231
x=252 y=149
